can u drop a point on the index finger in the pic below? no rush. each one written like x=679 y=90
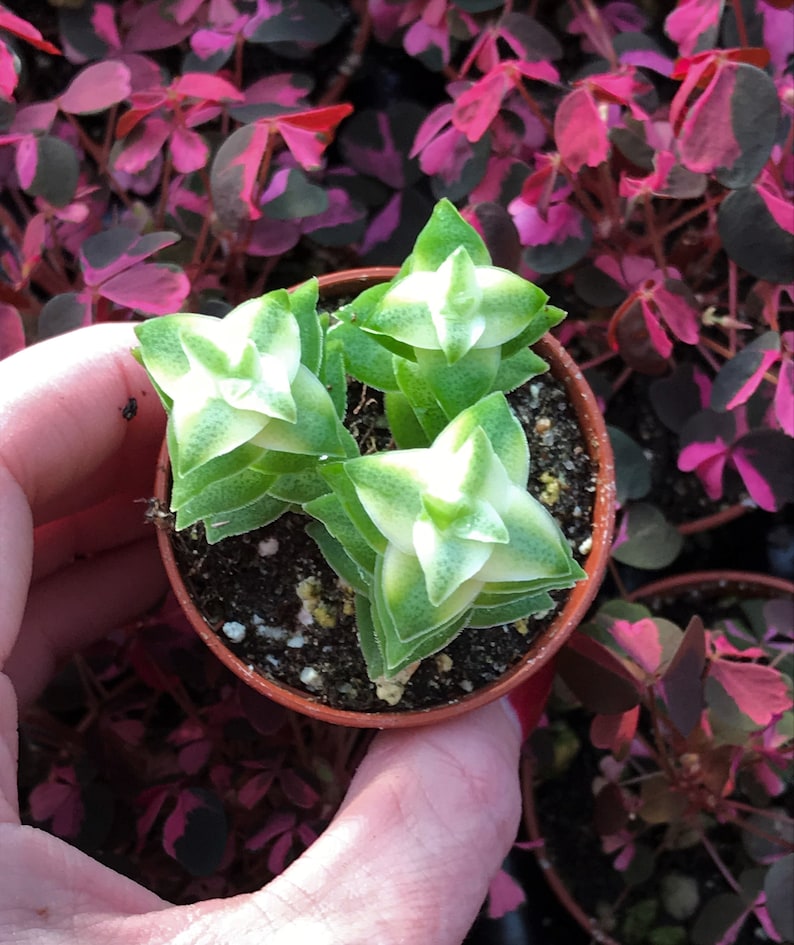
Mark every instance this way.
x=65 y=444
x=63 y=433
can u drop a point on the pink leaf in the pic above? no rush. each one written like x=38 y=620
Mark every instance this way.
x=658 y=337
x=690 y=20
x=678 y=310
x=278 y=824
x=255 y=789
x=142 y=147
x=614 y=732
x=477 y=107
x=742 y=395
x=297 y=790
x=307 y=134
x=504 y=895
x=784 y=396
x=189 y=150
x=761 y=492
x=580 y=132
x=103 y=21
x=431 y=126
x=153 y=288
x=9 y=77
x=640 y=640
x=96 y=88
x=27 y=160
x=18 y=27
x=175 y=823
x=778 y=205
x=110 y=252
x=708 y=461
x=12 y=331
x=706 y=140
x=208 y=88
x=758 y=691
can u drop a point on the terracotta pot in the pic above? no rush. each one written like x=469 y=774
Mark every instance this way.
x=351 y=282
x=700 y=585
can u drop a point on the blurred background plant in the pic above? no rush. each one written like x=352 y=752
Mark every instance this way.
x=635 y=159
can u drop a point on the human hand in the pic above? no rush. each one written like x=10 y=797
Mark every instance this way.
x=429 y=815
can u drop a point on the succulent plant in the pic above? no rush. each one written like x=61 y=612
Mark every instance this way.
x=434 y=536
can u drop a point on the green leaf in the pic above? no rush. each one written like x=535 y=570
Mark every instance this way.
x=444 y=232
x=458 y=386
x=317 y=429
x=364 y=357
x=405 y=428
x=329 y=511
x=504 y=432
x=299 y=487
x=303 y=304
x=423 y=401
x=367 y=638
x=517 y=369
x=229 y=494
x=259 y=513
x=497 y=614
x=336 y=476
x=337 y=557
x=537 y=547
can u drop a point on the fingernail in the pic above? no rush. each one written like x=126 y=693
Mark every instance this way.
x=527 y=702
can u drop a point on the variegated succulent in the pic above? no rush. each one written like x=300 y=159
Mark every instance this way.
x=433 y=536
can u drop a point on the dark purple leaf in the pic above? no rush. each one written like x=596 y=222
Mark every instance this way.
x=651 y=542
x=278 y=824
x=63 y=313
x=609 y=811
x=12 y=331
x=117 y=248
x=777 y=886
x=682 y=682
x=234 y=172
x=632 y=467
x=596 y=676
x=741 y=375
x=291 y=196
x=297 y=789
x=755 y=113
x=677 y=397
x=57 y=171
x=528 y=39
x=194 y=833
x=377 y=143
x=765 y=460
x=300 y=21
x=278 y=858
x=752 y=237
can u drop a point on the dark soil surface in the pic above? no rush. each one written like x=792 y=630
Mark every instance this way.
x=293 y=618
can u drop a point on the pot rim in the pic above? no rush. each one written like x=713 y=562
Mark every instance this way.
x=542 y=649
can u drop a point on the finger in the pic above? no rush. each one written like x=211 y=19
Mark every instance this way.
x=112 y=523
x=80 y=603
x=63 y=436
x=427 y=821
